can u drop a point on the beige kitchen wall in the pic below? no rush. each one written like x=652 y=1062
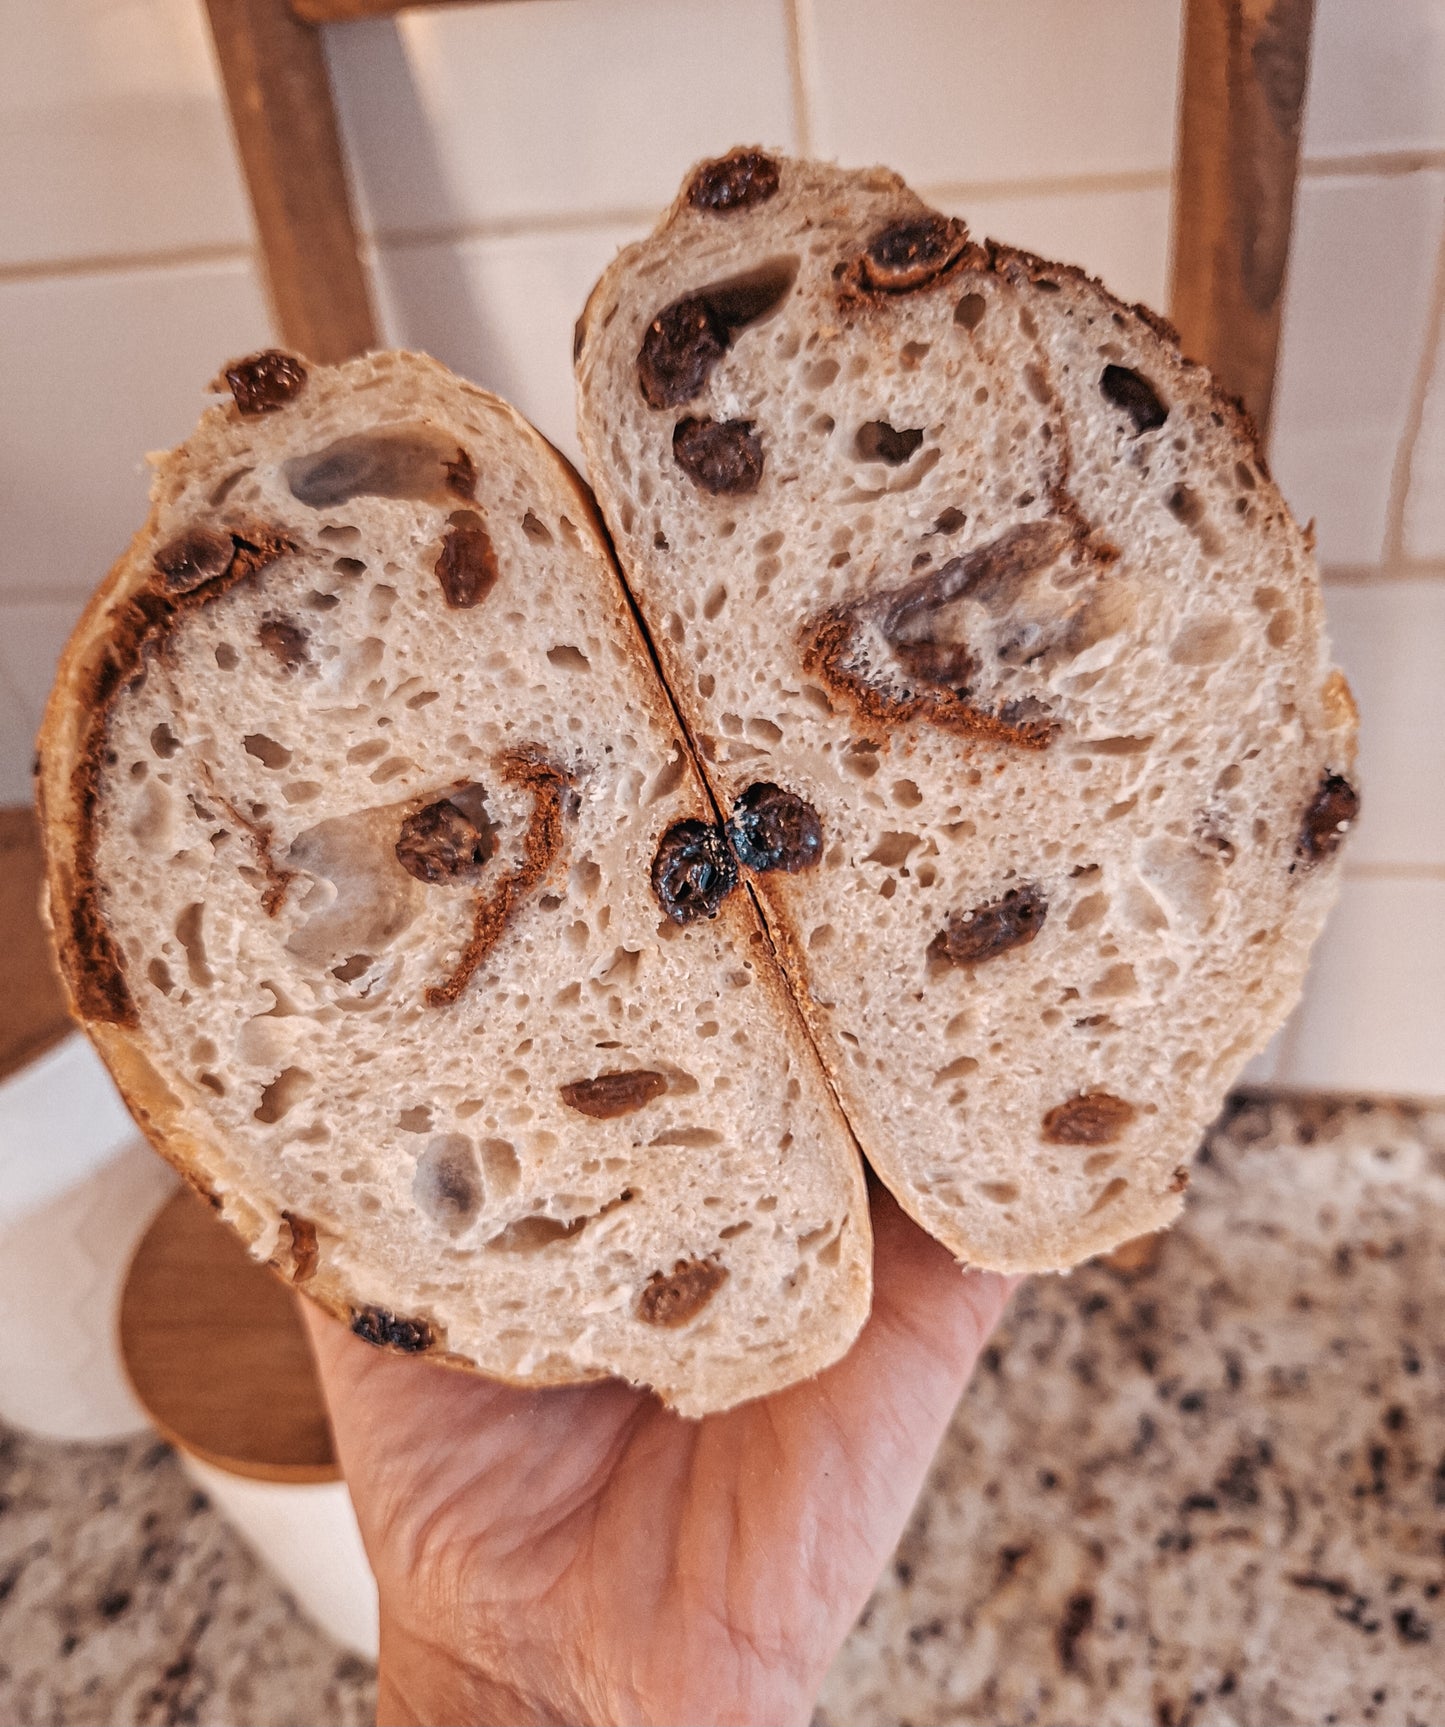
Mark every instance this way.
x=503 y=152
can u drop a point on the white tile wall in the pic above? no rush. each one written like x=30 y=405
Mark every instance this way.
x=113 y=136
x=1373 y=1017
x=1357 y=310
x=1390 y=639
x=94 y=371
x=1377 y=82
x=503 y=152
x=1424 y=522
x=970 y=90
x=503 y=111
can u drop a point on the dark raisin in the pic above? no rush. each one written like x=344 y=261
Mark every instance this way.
x=1136 y=396
x=734 y=182
x=673 y=1299
x=612 y=1094
x=285 y=641
x=197 y=556
x=467 y=566
x=304 y=1251
x=262 y=383
x=775 y=829
x=694 y=871
x=682 y=345
x=992 y=929
x=388 y=1331
x=877 y=441
x=723 y=457
x=1331 y=811
x=461 y=474
x=1093 y=1118
x=443 y=843
x=912 y=254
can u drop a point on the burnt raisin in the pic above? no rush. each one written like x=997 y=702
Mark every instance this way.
x=195 y=557
x=613 y=1094
x=284 y=641
x=992 y=929
x=694 y=871
x=1092 y=1118
x=1331 y=811
x=443 y=843
x=723 y=457
x=775 y=829
x=682 y=345
x=1136 y=396
x=908 y=255
x=262 y=383
x=388 y=1331
x=461 y=474
x=877 y=441
x=674 y=1299
x=734 y=182
x=467 y=566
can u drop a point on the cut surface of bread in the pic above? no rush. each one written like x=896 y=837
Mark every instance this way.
x=353 y=781
x=1005 y=660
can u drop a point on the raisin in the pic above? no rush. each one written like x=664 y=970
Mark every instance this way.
x=262 y=383
x=1136 y=396
x=195 y=557
x=304 y=1251
x=672 y=1300
x=723 y=457
x=992 y=929
x=877 y=441
x=442 y=843
x=1331 y=811
x=694 y=871
x=461 y=474
x=682 y=345
x=909 y=255
x=1092 y=1118
x=613 y=1094
x=285 y=641
x=467 y=566
x=775 y=829
x=734 y=182
x=388 y=1331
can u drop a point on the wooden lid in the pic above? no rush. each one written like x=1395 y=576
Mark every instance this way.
x=217 y=1354
x=32 y=1004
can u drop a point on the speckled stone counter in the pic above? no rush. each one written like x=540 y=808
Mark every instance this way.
x=1205 y=1491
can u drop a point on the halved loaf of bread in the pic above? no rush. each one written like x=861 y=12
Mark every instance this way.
x=353 y=780
x=1006 y=658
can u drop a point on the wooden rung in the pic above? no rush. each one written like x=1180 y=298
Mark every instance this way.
x=348 y=11
x=281 y=111
x=32 y=1003
x=1246 y=64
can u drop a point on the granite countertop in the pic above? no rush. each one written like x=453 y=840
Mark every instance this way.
x=1204 y=1490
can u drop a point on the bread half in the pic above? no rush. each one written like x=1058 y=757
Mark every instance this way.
x=1005 y=658
x=353 y=781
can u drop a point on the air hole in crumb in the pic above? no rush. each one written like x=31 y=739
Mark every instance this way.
x=501 y=1169
x=536 y=529
x=447 y=1185
x=1000 y=1192
x=416 y=1119
x=716 y=599
x=877 y=441
x=949 y=521
x=1117 y=1186
x=568 y=659
x=282 y=1095
x=970 y=310
x=351 y=969
x=160 y=975
x=266 y=750
x=192 y=939
x=164 y=741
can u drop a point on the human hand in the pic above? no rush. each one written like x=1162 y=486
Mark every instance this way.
x=584 y=1555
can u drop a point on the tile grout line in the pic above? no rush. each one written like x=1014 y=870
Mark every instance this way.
x=1385 y=163
x=1401 y=473
x=119 y=263
x=800 y=71
x=1401 y=569
x=1052 y=186
x=1401 y=872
